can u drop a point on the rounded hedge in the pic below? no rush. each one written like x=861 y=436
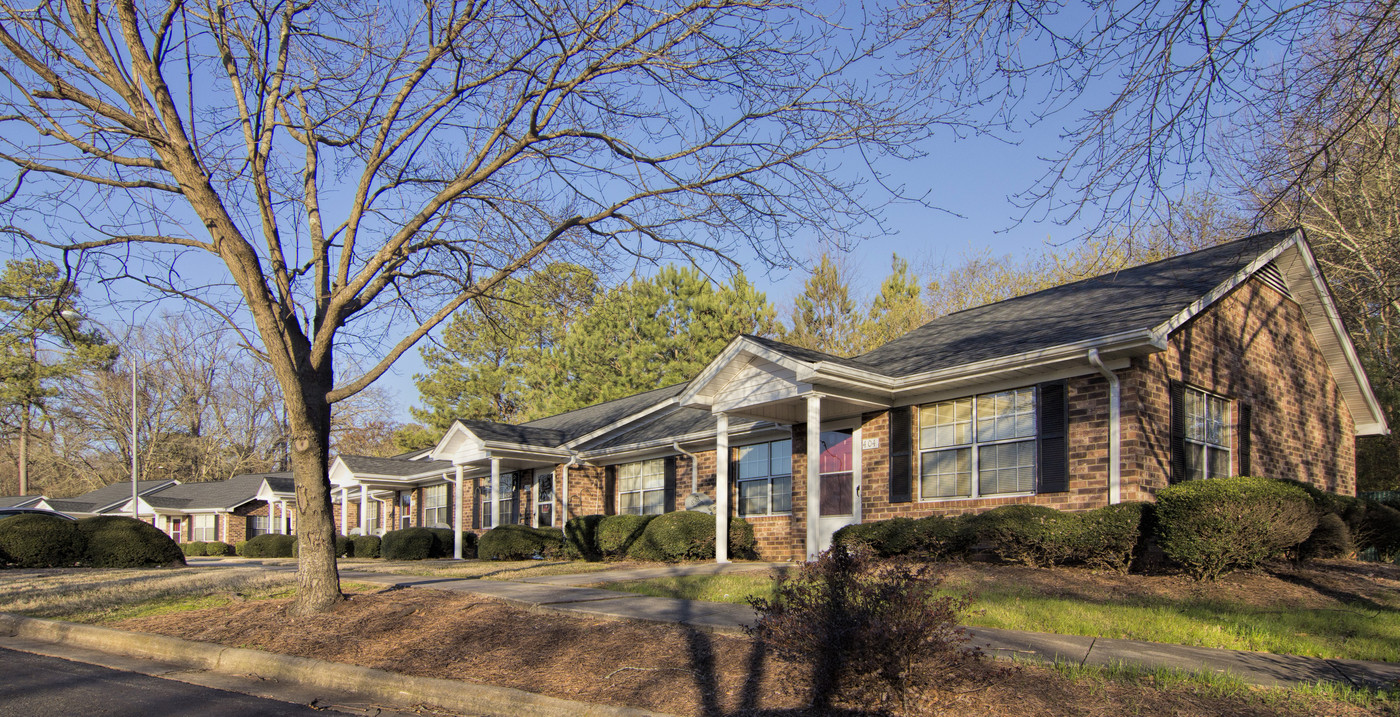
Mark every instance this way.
x=932 y=537
x=120 y=542
x=33 y=540
x=1330 y=539
x=1032 y=535
x=269 y=546
x=689 y=535
x=519 y=542
x=343 y=546
x=581 y=538
x=218 y=548
x=407 y=544
x=617 y=533
x=1108 y=537
x=1212 y=527
x=364 y=546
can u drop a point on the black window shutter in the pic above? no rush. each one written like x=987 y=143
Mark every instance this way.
x=670 y=485
x=610 y=490
x=1177 y=390
x=1245 y=424
x=1052 y=438
x=476 y=503
x=901 y=454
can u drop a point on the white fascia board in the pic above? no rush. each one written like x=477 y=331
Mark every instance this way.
x=739 y=346
x=526 y=450
x=440 y=452
x=1377 y=425
x=1167 y=327
x=622 y=422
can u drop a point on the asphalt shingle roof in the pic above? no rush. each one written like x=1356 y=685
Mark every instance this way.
x=585 y=420
x=12 y=501
x=214 y=494
x=671 y=426
x=367 y=465
x=108 y=495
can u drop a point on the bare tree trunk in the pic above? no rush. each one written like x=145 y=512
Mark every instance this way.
x=24 y=451
x=309 y=418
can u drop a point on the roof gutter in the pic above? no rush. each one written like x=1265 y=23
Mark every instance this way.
x=694 y=466
x=1115 y=432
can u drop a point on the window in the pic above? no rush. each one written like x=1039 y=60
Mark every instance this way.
x=502 y=501
x=544 y=500
x=259 y=525
x=764 y=472
x=202 y=528
x=372 y=512
x=641 y=487
x=990 y=436
x=435 y=506
x=1207 y=435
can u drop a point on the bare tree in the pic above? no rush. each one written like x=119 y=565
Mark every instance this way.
x=359 y=170
x=1146 y=92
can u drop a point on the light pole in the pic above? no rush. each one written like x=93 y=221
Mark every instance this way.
x=135 y=492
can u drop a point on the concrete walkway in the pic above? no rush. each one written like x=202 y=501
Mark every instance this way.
x=568 y=593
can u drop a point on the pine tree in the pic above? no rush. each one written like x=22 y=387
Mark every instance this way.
x=824 y=316
x=479 y=368
x=39 y=346
x=647 y=334
x=896 y=310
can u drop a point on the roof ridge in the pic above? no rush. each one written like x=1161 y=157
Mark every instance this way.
x=595 y=405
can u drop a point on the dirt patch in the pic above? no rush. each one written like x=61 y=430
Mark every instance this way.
x=660 y=667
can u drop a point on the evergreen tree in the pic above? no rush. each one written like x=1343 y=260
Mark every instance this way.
x=824 y=316
x=478 y=369
x=39 y=346
x=647 y=334
x=896 y=310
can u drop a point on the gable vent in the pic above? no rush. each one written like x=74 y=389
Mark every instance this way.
x=1271 y=275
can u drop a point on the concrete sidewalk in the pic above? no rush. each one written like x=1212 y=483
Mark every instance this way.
x=568 y=593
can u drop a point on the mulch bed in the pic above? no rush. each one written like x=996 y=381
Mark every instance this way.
x=666 y=668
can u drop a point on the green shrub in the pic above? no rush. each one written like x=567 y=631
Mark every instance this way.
x=581 y=538
x=192 y=549
x=365 y=546
x=1330 y=539
x=519 y=542
x=1214 y=526
x=689 y=535
x=616 y=533
x=119 y=542
x=343 y=546
x=33 y=540
x=218 y=548
x=1379 y=529
x=933 y=537
x=867 y=631
x=885 y=538
x=270 y=546
x=240 y=547
x=1029 y=534
x=407 y=544
x=1108 y=537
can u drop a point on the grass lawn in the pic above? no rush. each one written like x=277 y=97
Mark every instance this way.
x=1243 y=612
x=103 y=596
x=477 y=569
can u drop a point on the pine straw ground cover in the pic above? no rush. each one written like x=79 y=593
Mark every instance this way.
x=672 y=669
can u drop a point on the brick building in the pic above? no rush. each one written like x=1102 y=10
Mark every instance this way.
x=1226 y=361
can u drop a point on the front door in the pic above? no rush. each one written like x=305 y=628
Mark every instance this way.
x=544 y=499
x=839 y=465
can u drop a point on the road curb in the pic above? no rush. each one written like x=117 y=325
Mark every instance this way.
x=394 y=688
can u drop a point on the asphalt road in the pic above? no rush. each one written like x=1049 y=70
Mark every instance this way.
x=43 y=686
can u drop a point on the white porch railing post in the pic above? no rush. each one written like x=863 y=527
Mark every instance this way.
x=364 y=510
x=721 y=488
x=814 y=477
x=457 y=517
x=495 y=492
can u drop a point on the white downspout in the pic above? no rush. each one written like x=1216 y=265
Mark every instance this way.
x=1115 y=432
x=694 y=466
x=564 y=491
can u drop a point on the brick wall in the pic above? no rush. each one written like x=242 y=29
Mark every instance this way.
x=1252 y=347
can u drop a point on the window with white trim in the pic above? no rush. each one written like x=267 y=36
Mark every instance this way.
x=259 y=525
x=202 y=528
x=764 y=473
x=1207 y=435
x=990 y=436
x=641 y=487
x=435 y=507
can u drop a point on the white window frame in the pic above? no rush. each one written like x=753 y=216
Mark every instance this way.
x=974 y=444
x=203 y=534
x=535 y=492
x=644 y=472
x=260 y=525
x=1200 y=427
x=436 y=512
x=766 y=478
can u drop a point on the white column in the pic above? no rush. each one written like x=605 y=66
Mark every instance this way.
x=564 y=495
x=495 y=492
x=364 y=510
x=721 y=487
x=345 y=510
x=814 y=476
x=457 y=516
